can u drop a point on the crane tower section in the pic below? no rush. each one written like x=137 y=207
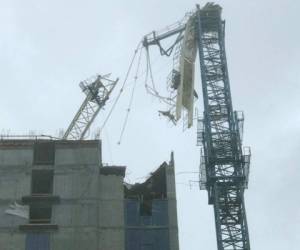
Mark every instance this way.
x=224 y=164
x=97 y=90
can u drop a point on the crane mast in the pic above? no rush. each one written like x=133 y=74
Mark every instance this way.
x=224 y=166
x=97 y=92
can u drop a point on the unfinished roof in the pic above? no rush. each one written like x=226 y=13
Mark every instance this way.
x=155 y=187
x=15 y=143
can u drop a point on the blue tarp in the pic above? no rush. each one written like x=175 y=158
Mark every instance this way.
x=147 y=232
x=150 y=239
x=37 y=241
x=159 y=213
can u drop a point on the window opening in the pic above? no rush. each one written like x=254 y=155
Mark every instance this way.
x=146 y=207
x=40 y=214
x=42 y=182
x=44 y=153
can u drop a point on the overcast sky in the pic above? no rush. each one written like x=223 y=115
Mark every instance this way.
x=48 y=47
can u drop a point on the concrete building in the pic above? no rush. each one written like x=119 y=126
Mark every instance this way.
x=56 y=195
x=150 y=212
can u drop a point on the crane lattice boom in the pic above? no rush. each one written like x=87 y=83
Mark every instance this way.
x=224 y=166
x=97 y=92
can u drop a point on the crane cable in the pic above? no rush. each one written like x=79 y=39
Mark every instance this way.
x=131 y=97
x=148 y=70
x=123 y=85
x=152 y=90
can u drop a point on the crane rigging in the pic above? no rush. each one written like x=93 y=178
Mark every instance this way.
x=180 y=81
x=224 y=167
x=97 y=90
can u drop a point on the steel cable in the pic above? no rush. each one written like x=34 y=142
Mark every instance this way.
x=123 y=85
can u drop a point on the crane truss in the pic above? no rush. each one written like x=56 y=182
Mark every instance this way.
x=224 y=167
x=97 y=92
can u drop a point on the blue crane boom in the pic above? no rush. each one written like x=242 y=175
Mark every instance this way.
x=225 y=167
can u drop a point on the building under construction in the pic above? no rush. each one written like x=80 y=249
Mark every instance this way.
x=57 y=195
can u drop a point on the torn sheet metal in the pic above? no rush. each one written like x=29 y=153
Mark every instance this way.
x=18 y=210
x=185 y=94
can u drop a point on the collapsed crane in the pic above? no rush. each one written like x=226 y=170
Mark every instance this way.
x=97 y=90
x=224 y=167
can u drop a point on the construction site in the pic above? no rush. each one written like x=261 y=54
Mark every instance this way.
x=111 y=179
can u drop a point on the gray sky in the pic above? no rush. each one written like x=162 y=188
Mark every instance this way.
x=48 y=47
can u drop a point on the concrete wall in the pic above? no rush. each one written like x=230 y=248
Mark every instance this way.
x=172 y=207
x=147 y=232
x=12 y=240
x=14 y=183
x=90 y=213
x=76 y=214
x=111 y=214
